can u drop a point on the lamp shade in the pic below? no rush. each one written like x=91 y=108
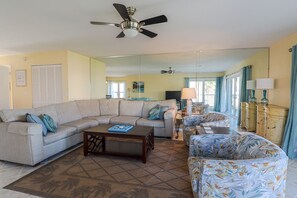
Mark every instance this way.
x=188 y=93
x=251 y=84
x=265 y=83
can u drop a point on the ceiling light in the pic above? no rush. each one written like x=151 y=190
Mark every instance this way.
x=130 y=32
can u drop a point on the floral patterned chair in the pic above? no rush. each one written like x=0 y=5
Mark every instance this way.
x=238 y=165
x=191 y=123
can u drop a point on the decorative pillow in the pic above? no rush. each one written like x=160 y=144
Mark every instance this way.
x=154 y=113
x=35 y=119
x=163 y=109
x=49 y=123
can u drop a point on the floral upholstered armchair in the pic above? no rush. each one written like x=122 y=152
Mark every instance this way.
x=237 y=165
x=191 y=123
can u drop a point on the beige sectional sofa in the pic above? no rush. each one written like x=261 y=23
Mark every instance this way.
x=23 y=142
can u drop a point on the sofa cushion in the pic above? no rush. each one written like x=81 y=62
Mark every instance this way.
x=101 y=119
x=151 y=123
x=147 y=106
x=14 y=115
x=62 y=132
x=49 y=110
x=109 y=106
x=131 y=108
x=88 y=108
x=67 y=112
x=82 y=124
x=124 y=120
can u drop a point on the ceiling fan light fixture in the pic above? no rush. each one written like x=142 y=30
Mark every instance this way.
x=130 y=32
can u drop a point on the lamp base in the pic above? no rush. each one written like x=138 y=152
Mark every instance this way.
x=264 y=100
x=189 y=107
x=252 y=98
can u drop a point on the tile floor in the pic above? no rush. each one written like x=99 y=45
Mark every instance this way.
x=10 y=172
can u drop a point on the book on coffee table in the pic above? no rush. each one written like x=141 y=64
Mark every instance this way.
x=122 y=128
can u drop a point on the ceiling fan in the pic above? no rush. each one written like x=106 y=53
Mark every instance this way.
x=131 y=27
x=169 y=71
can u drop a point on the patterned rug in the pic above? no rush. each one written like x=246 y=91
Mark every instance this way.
x=74 y=175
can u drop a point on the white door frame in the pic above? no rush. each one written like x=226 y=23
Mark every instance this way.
x=10 y=85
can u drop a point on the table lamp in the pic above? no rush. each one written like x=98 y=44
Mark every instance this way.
x=251 y=85
x=265 y=84
x=189 y=94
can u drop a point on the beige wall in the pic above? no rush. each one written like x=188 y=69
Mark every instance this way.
x=79 y=78
x=98 y=79
x=22 y=96
x=280 y=70
x=155 y=85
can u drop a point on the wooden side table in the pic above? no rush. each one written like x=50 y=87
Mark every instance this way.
x=178 y=122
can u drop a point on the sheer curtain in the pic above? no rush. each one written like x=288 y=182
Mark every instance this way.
x=246 y=74
x=290 y=136
x=224 y=95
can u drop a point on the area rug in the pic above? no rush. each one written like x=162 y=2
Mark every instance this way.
x=74 y=175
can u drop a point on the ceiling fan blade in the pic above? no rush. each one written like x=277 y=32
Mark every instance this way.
x=148 y=33
x=154 y=20
x=104 y=23
x=122 y=10
x=121 y=35
x=163 y=71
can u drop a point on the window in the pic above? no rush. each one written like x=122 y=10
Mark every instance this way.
x=233 y=90
x=206 y=89
x=117 y=89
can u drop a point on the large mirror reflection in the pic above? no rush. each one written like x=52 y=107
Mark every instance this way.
x=148 y=77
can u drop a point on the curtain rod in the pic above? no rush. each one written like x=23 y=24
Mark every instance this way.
x=290 y=50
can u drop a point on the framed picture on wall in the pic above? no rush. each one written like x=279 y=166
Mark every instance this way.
x=138 y=87
x=20 y=76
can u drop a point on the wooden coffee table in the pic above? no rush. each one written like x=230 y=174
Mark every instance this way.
x=94 y=140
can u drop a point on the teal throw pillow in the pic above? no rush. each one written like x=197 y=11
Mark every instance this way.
x=49 y=123
x=154 y=113
x=35 y=119
x=163 y=109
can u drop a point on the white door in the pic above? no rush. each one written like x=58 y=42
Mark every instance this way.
x=46 y=85
x=4 y=88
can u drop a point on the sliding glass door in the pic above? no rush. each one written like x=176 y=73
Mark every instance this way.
x=233 y=94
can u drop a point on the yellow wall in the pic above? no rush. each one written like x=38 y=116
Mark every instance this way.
x=79 y=78
x=155 y=85
x=280 y=70
x=22 y=96
x=260 y=65
x=98 y=79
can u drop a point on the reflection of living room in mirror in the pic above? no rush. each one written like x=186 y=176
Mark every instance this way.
x=138 y=87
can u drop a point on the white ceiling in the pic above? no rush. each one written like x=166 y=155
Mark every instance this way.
x=42 y=25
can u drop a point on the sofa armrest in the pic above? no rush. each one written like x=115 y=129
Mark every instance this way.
x=24 y=128
x=21 y=142
x=237 y=177
x=192 y=120
x=169 y=114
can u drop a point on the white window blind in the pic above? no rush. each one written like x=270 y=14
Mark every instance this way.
x=46 y=85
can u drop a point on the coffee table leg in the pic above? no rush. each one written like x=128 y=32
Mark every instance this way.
x=144 y=150
x=103 y=144
x=85 y=144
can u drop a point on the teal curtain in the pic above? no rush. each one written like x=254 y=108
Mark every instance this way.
x=246 y=74
x=289 y=144
x=217 y=105
x=187 y=85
